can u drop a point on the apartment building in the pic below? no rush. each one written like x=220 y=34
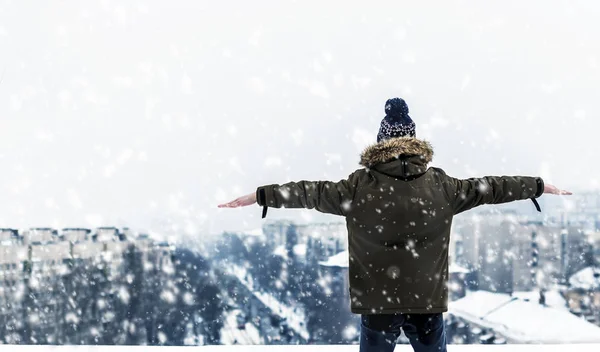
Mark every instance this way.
x=42 y=270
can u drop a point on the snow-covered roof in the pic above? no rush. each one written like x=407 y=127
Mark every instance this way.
x=519 y=320
x=339 y=260
x=455 y=268
x=586 y=279
x=553 y=298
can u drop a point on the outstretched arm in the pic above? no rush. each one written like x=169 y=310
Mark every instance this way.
x=470 y=193
x=324 y=196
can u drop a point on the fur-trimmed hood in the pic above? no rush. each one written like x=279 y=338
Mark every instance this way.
x=394 y=148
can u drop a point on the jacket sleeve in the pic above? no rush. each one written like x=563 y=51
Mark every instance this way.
x=473 y=192
x=324 y=196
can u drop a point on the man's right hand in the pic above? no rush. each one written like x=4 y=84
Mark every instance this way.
x=550 y=189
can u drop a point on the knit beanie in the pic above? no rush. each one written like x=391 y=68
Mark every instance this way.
x=396 y=122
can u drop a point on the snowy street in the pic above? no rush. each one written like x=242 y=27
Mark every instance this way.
x=231 y=334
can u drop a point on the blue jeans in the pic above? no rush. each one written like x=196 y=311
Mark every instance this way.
x=379 y=332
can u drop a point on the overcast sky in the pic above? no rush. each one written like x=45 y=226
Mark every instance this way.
x=142 y=112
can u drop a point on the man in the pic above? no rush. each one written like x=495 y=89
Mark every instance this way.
x=398 y=214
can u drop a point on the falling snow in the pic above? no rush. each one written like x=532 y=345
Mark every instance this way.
x=107 y=122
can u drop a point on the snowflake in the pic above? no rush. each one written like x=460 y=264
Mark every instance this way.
x=71 y=318
x=188 y=298
x=34 y=319
x=393 y=272
x=285 y=193
x=124 y=294
x=350 y=332
x=168 y=296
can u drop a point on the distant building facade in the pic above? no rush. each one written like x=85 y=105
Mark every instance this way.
x=38 y=268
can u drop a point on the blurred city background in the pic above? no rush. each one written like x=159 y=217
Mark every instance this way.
x=513 y=279
x=124 y=123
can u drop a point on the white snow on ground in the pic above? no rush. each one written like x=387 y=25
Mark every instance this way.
x=230 y=334
x=519 y=320
x=586 y=279
x=339 y=260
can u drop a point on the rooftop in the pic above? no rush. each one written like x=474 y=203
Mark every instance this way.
x=586 y=279
x=339 y=260
x=519 y=320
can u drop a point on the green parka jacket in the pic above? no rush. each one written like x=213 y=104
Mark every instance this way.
x=398 y=214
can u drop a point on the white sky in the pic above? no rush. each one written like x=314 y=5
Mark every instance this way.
x=137 y=112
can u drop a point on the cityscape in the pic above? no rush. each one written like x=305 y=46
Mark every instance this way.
x=287 y=283
x=154 y=157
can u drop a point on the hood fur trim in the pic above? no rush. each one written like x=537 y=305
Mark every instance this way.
x=393 y=148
